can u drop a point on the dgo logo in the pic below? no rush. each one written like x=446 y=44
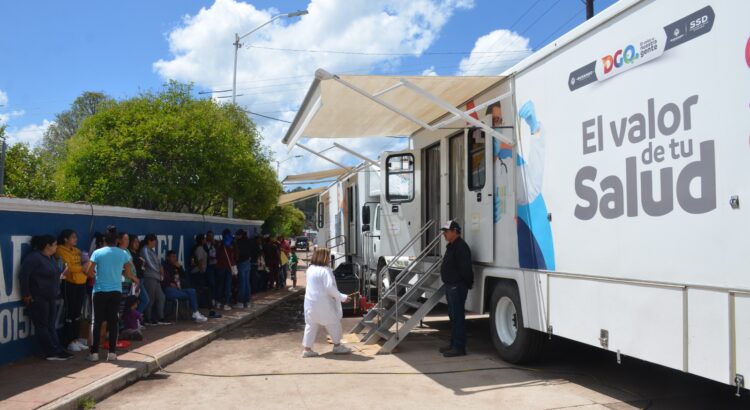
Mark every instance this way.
x=628 y=55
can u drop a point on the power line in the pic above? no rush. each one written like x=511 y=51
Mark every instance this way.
x=364 y=53
x=266 y=116
x=541 y=16
x=573 y=17
x=513 y=25
x=533 y=23
x=524 y=14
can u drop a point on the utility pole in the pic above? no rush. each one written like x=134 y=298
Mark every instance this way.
x=589 y=9
x=237 y=45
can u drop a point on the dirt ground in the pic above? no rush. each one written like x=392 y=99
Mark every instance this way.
x=248 y=368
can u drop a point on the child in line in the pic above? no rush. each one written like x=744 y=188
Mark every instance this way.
x=131 y=320
x=293 y=260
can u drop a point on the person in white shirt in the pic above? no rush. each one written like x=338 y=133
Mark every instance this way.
x=322 y=304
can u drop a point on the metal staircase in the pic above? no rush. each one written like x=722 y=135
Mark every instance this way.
x=390 y=320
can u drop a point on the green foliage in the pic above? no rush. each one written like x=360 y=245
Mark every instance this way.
x=68 y=122
x=28 y=173
x=169 y=151
x=86 y=403
x=285 y=220
x=308 y=206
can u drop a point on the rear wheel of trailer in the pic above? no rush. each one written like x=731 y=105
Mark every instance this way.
x=513 y=342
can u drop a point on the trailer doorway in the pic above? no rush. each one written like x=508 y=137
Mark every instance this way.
x=456 y=178
x=431 y=198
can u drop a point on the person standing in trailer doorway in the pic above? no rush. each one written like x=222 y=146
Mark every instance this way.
x=496 y=113
x=458 y=276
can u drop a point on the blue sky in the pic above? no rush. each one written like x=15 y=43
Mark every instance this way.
x=52 y=51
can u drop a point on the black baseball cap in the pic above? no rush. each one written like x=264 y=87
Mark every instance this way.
x=451 y=226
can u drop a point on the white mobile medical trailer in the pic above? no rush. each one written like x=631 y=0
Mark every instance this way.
x=601 y=182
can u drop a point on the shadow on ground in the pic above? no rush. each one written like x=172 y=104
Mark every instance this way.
x=635 y=382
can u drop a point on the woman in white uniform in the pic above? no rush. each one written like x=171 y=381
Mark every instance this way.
x=322 y=304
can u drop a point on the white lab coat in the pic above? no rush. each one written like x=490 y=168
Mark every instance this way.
x=322 y=297
x=530 y=177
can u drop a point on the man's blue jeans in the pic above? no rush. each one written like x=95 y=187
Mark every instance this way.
x=143 y=299
x=243 y=291
x=456 y=297
x=182 y=294
x=223 y=285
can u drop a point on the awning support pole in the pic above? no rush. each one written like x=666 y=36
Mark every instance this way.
x=384 y=103
x=323 y=156
x=446 y=106
x=356 y=154
x=441 y=124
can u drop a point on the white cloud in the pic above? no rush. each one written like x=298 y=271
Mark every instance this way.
x=430 y=71
x=5 y=116
x=29 y=134
x=274 y=82
x=495 y=52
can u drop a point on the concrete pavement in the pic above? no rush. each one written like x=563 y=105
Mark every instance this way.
x=35 y=383
x=258 y=366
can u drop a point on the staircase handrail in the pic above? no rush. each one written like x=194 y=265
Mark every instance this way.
x=401 y=253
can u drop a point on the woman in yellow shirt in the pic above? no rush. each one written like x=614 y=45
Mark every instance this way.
x=73 y=288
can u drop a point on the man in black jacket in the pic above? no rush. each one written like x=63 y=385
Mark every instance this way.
x=458 y=276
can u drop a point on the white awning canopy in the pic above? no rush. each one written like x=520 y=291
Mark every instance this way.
x=383 y=106
x=316 y=176
x=299 y=196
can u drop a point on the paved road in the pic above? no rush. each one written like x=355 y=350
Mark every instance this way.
x=572 y=376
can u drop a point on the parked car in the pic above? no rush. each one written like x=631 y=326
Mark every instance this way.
x=302 y=244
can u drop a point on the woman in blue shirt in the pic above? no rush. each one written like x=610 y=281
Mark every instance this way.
x=107 y=265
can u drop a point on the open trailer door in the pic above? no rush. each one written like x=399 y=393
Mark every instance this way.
x=479 y=199
x=400 y=202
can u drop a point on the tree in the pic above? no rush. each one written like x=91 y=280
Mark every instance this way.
x=285 y=220
x=68 y=122
x=169 y=151
x=28 y=173
x=308 y=206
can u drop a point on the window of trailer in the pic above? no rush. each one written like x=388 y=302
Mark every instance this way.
x=476 y=160
x=400 y=178
x=321 y=214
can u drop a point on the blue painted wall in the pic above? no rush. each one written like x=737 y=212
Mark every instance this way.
x=16 y=227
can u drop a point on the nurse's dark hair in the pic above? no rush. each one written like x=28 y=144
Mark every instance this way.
x=64 y=236
x=321 y=257
x=110 y=237
x=39 y=242
x=149 y=237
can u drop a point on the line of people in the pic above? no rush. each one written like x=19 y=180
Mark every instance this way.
x=237 y=266
x=122 y=268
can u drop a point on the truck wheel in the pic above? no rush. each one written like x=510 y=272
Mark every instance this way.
x=513 y=342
